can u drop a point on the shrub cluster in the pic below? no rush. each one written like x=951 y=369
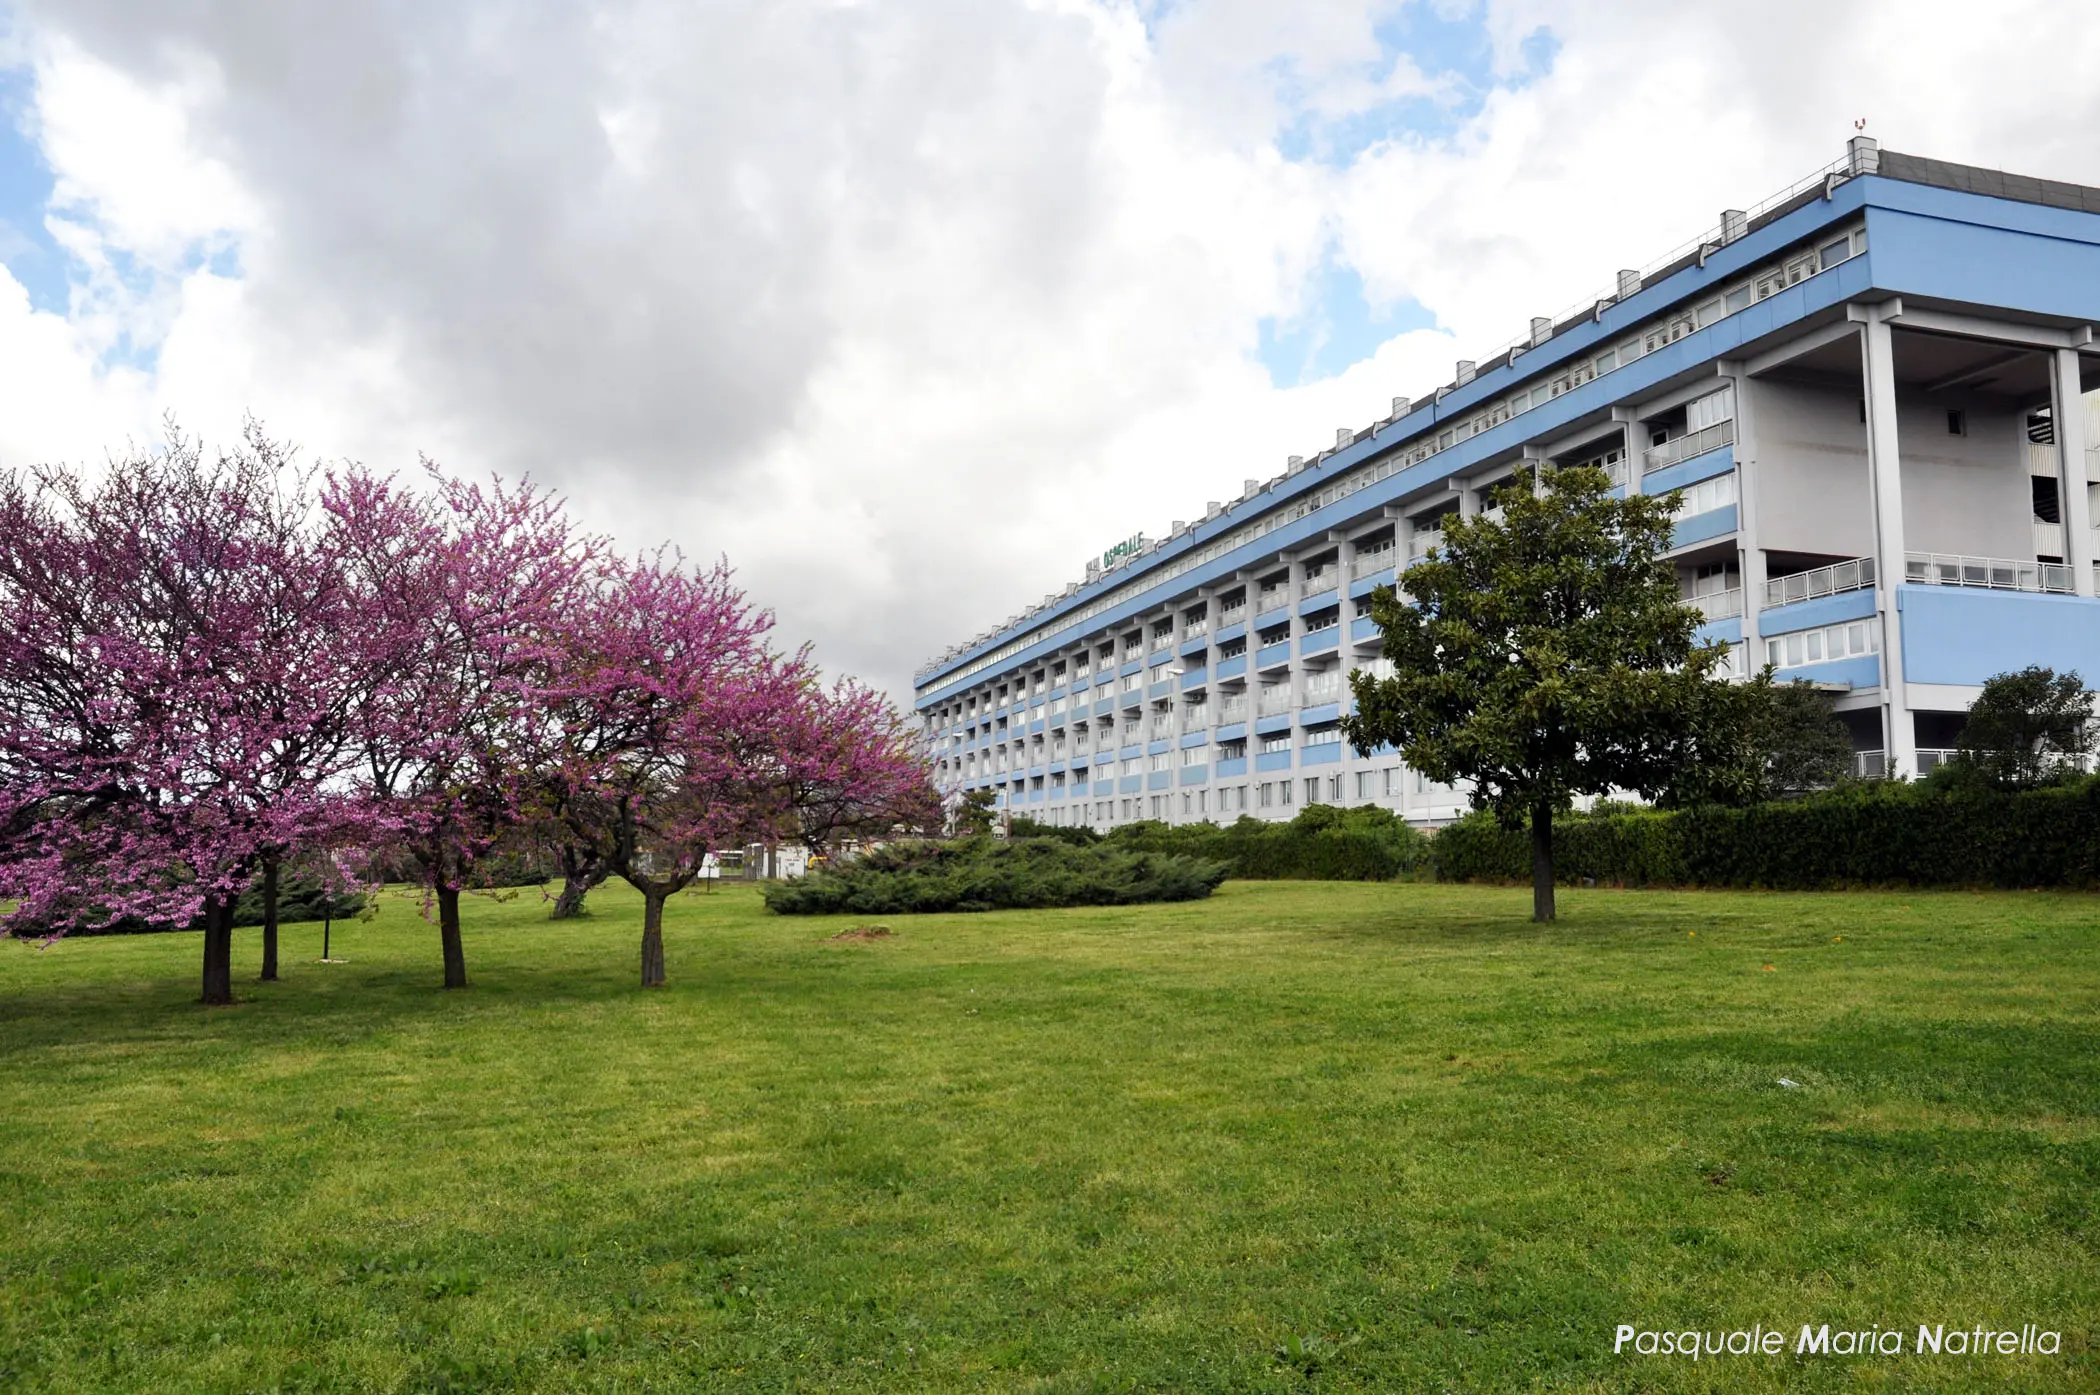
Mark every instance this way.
x=1882 y=834
x=1323 y=843
x=987 y=874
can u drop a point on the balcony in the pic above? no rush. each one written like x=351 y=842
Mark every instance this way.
x=1419 y=545
x=1233 y=709
x=1196 y=629
x=1162 y=642
x=1372 y=563
x=1269 y=597
x=1929 y=761
x=1990 y=573
x=1718 y=605
x=1839 y=577
x=1662 y=457
x=1162 y=728
x=1274 y=700
x=1322 y=584
x=1232 y=614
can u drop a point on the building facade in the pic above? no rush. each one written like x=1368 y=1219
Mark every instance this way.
x=1870 y=391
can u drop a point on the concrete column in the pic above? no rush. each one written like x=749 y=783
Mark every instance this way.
x=2076 y=512
x=1749 y=536
x=1636 y=443
x=1885 y=470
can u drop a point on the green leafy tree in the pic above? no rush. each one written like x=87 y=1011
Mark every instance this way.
x=1548 y=655
x=972 y=815
x=2028 y=727
x=1805 y=744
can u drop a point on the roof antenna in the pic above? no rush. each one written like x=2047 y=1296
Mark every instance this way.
x=1859 y=123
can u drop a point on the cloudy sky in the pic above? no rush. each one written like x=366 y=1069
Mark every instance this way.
x=907 y=306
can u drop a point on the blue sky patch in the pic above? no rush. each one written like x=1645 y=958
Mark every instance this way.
x=25 y=190
x=1338 y=327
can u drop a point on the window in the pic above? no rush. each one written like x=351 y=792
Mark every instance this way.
x=1845 y=641
x=1232 y=750
x=1710 y=410
x=1133 y=766
x=1283 y=792
x=1195 y=755
x=1265 y=797
x=1395 y=781
x=1957 y=422
x=1831 y=253
x=1279 y=742
x=1324 y=736
x=1366 y=784
x=1325 y=620
x=1706 y=496
x=1160 y=762
x=1312 y=789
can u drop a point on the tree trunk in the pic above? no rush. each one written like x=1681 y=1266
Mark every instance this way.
x=218 y=951
x=1542 y=862
x=569 y=904
x=448 y=932
x=269 y=925
x=652 y=939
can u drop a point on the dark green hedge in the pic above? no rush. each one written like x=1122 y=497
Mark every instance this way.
x=1323 y=843
x=1881 y=834
x=987 y=874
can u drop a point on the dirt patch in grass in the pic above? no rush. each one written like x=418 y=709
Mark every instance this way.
x=865 y=932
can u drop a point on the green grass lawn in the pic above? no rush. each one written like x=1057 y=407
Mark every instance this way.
x=1299 y=1136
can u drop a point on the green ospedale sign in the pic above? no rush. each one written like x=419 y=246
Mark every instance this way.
x=1129 y=547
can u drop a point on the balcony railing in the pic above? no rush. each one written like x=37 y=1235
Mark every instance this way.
x=1326 y=692
x=1371 y=563
x=1320 y=585
x=1718 y=605
x=1232 y=613
x=1991 y=573
x=1419 y=545
x=1855 y=575
x=1233 y=709
x=1662 y=457
x=1275 y=700
x=1870 y=765
x=1196 y=629
x=1269 y=597
x=1929 y=761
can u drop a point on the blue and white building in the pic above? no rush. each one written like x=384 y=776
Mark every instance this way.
x=1870 y=389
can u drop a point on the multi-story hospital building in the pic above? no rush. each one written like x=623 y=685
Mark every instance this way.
x=1870 y=391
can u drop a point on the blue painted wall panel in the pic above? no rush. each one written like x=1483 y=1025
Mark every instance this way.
x=1233 y=667
x=1194 y=678
x=1813 y=615
x=1702 y=527
x=1195 y=738
x=1362 y=629
x=1194 y=774
x=1195 y=646
x=1325 y=639
x=1728 y=631
x=1686 y=472
x=1273 y=760
x=1953 y=634
x=1269 y=726
x=1158 y=748
x=1326 y=600
x=1159 y=779
x=1233 y=731
x=1231 y=633
x=1130 y=784
x=1327 y=753
x=1325 y=712
x=1366 y=585
x=1104 y=787
x=1861 y=672
x=1272 y=655
x=1229 y=768
x=1269 y=619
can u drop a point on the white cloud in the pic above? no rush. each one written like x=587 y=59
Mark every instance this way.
x=907 y=308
